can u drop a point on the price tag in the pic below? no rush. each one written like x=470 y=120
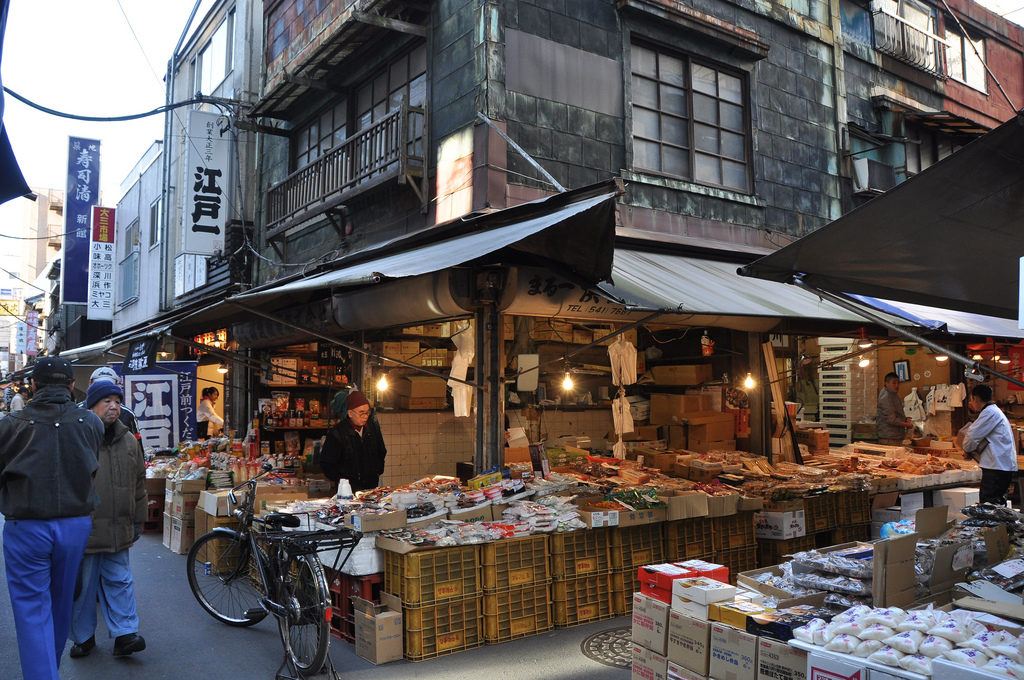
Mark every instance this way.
x=963 y=558
x=1010 y=568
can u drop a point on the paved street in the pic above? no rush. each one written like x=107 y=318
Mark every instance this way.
x=184 y=642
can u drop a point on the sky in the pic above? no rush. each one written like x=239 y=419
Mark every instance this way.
x=88 y=57
x=105 y=58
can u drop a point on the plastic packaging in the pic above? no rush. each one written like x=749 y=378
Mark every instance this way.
x=933 y=646
x=888 y=656
x=907 y=642
x=876 y=632
x=966 y=657
x=917 y=663
x=868 y=647
x=844 y=644
x=885 y=616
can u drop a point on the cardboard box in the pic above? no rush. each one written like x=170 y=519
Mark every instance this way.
x=421 y=386
x=182 y=535
x=780 y=525
x=420 y=403
x=650 y=623
x=643 y=433
x=186 y=485
x=823 y=665
x=733 y=653
x=183 y=506
x=706 y=428
x=685 y=504
x=778 y=661
x=702 y=590
x=694 y=610
x=690 y=374
x=667 y=409
x=892 y=583
x=648 y=665
x=378 y=628
x=723 y=506
x=736 y=612
x=621 y=518
x=677 y=672
x=215 y=502
x=396 y=519
x=155 y=485
x=689 y=642
x=167 y=530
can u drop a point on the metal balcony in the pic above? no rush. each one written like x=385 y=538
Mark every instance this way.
x=902 y=40
x=391 y=149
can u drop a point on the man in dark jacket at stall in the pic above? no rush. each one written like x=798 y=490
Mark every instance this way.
x=48 y=460
x=354 y=448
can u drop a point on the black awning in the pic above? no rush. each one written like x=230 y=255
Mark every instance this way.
x=951 y=237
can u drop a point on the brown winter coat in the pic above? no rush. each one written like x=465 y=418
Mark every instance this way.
x=121 y=486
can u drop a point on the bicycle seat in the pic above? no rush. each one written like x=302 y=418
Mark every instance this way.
x=281 y=519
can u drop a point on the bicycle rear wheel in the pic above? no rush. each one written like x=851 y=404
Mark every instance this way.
x=223 y=577
x=305 y=630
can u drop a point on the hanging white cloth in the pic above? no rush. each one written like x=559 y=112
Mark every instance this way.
x=619 y=449
x=622 y=418
x=942 y=395
x=462 y=394
x=622 y=355
x=957 y=395
x=929 y=402
x=913 y=407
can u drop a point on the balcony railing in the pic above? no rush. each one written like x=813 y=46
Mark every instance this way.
x=393 y=147
x=899 y=38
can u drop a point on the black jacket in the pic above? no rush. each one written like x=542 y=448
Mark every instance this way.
x=49 y=457
x=346 y=455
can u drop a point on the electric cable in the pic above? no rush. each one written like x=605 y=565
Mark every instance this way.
x=200 y=99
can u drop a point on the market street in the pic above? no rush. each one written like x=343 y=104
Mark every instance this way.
x=183 y=642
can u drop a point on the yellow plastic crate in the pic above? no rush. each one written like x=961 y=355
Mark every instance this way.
x=516 y=613
x=515 y=562
x=442 y=629
x=432 y=576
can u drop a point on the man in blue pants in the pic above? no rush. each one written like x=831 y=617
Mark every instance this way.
x=48 y=459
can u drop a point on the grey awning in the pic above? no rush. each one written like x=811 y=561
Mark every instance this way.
x=576 y=234
x=950 y=237
x=680 y=284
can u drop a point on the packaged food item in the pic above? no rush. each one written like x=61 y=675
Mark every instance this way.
x=967 y=657
x=887 y=656
x=907 y=642
x=1000 y=665
x=917 y=620
x=989 y=640
x=876 y=632
x=805 y=633
x=885 y=616
x=951 y=629
x=933 y=646
x=917 y=663
x=844 y=644
x=868 y=647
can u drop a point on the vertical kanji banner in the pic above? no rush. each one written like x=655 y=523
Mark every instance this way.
x=101 y=265
x=163 y=399
x=83 y=191
x=207 y=183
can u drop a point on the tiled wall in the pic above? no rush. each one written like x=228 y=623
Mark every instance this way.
x=425 y=443
x=421 y=444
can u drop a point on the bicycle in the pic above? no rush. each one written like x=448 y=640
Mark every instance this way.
x=239 y=576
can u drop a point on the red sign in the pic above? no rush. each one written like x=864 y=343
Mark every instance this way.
x=102 y=224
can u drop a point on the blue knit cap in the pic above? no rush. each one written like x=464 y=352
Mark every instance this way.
x=100 y=389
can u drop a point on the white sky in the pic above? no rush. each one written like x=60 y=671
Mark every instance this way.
x=80 y=56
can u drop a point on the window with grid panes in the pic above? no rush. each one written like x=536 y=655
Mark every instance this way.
x=965 y=60
x=325 y=132
x=689 y=118
x=128 y=267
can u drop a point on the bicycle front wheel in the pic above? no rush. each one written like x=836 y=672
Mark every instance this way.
x=305 y=630
x=223 y=577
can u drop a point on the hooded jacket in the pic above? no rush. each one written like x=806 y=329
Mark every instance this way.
x=49 y=457
x=121 y=487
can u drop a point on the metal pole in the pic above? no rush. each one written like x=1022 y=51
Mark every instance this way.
x=874 y=318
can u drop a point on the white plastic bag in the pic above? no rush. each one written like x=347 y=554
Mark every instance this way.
x=868 y=647
x=933 y=646
x=907 y=642
x=888 y=656
x=876 y=632
x=916 y=663
x=844 y=644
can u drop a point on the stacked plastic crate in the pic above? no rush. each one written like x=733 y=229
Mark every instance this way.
x=517 y=588
x=846 y=390
x=580 y=587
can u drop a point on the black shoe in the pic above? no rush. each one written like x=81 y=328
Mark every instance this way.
x=80 y=649
x=128 y=644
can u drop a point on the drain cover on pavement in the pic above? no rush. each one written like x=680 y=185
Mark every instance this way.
x=611 y=647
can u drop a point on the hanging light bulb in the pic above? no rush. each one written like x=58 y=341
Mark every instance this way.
x=941 y=358
x=977 y=357
x=1004 y=360
x=865 y=342
x=382 y=384
x=222 y=368
x=996 y=357
x=864 y=362
x=567 y=383
x=749 y=382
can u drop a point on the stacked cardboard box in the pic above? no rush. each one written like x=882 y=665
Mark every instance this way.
x=181 y=499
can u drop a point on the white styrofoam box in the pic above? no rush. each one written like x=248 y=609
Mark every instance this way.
x=702 y=590
x=912 y=501
x=366 y=558
x=955 y=499
x=947 y=670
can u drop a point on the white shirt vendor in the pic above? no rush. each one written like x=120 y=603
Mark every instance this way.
x=992 y=425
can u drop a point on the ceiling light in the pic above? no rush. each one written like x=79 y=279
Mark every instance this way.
x=567 y=383
x=865 y=341
x=977 y=357
x=749 y=382
x=864 y=363
x=941 y=357
x=1004 y=360
x=222 y=368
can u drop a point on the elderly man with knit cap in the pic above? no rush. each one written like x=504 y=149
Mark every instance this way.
x=354 y=448
x=116 y=524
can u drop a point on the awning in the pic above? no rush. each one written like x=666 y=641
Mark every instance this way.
x=86 y=352
x=946 y=320
x=949 y=237
x=575 y=234
x=679 y=284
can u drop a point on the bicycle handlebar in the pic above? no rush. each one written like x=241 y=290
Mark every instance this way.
x=267 y=469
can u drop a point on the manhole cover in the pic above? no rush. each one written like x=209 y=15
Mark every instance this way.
x=610 y=647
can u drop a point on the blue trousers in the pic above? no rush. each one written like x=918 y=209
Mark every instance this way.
x=41 y=557
x=108 y=578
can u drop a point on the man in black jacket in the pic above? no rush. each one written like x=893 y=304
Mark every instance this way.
x=48 y=461
x=354 y=448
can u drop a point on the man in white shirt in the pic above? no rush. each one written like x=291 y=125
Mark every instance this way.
x=989 y=440
x=19 y=399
